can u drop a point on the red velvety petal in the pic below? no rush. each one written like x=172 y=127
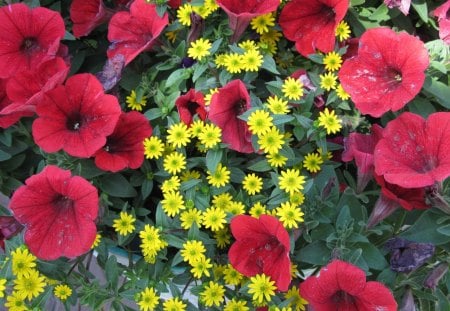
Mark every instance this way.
x=189 y=104
x=87 y=15
x=438 y=134
x=124 y=147
x=132 y=33
x=279 y=269
x=241 y=258
x=252 y=7
x=376 y=296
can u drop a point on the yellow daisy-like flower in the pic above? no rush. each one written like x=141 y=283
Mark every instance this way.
x=200 y=267
x=211 y=5
x=220 y=59
x=296 y=198
x=257 y=210
x=220 y=177
x=272 y=36
x=62 y=292
x=222 y=200
x=148 y=299
x=271 y=141
x=262 y=23
x=252 y=60
x=188 y=175
x=132 y=102
x=210 y=136
x=297 y=302
x=153 y=147
x=199 y=49
x=341 y=93
x=151 y=242
x=222 y=237
x=291 y=181
x=236 y=305
x=171 y=184
x=268 y=47
x=2 y=287
x=184 y=14
x=233 y=63
x=174 y=304
x=248 y=45
x=178 y=135
x=290 y=215
x=232 y=276
x=325 y=156
x=212 y=294
x=214 y=218
x=292 y=88
x=312 y=162
x=23 y=262
x=30 y=285
x=332 y=61
x=98 y=239
x=16 y=302
x=329 y=121
x=235 y=208
x=209 y=95
x=342 y=31
x=201 y=10
x=192 y=251
x=328 y=81
x=173 y=203
x=262 y=288
x=171 y=35
x=124 y=224
x=259 y=122
x=196 y=128
x=189 y=217
x=252 y=184
x=276 y=159
x=174 y=162
x=277 y=105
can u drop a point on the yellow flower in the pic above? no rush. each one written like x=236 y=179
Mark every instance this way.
x=16 y=302
x=212 y=294
x=209 y=95
x=232 y=276
x=222 y=237
x=171 y=184
x=341 y=93
x=262 y=23
x=236 y=305
x=2 y=287
x=290 y=215
x=184 y=14
x=153 y=147
x=173 y=203
x=222 y=200
x=233 y=63
x=271 y=141
x=196 y=128
x=248 y=45
x=178 y=135
x=132 y=102
x=30 y=285
x=174 y=162
x=296 y=301
x=252 y=60
x=330 y=121
x=98 y=238
x=291 y=181
x=262 y=288
x=259 y=122
x=124 y=224
x=148 y=299
x=220 y=177
x=272 y=36
x=189 y=217
x=210 y=135
x=252 y=184
x=342 y=31
x=328 y=81
x=214 y=218
x=235 y=208
x=23 y=263
x=192 y=251
x=276 y=159
x=174 y=304
x=220 y=60
x=199 y=49
x=151 y=242
x=312 y=162
x=296 y=198
x=257 y=210
x=200 y=267
x=292 y=88
x=332 y=61
x=277 y=106
x=62 y=292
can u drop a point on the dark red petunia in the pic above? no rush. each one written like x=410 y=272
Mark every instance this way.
x=134 y=32
x=124 y=147
x=262 y=246
x=413 y=152
x=190 y=104
x=86 y=15
x=8 y=114
x=174 y=4
x=226 y=106
x=27 y=37
x=343 y=286
x=402 y=5
x=9 y=227
x=58 y=211
x=387 y=73
x=76 y=117
x=312 y=23
x=443 y=14
x=360 y=147
x=240 y=13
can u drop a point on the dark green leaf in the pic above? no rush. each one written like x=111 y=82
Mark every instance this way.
x=117 y=186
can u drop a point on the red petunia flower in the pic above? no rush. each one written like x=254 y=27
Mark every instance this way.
x=134 y=32
x=261 y=246
x=240 y=13
x=226 y=106
x=76 y=117
x=360 y=147
x=9 y=227
x=87 y=15
x=312 y=23
x=443 y=14
x=190 y=104
x=58 y=211
x=342 y=286
x=8 y=112
x=124 y=147
x=402 y=5
x=27 y=37
x=413 y=152
x=387 y=73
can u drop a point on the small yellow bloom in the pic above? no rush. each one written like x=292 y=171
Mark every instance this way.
x=62 y=292
x=342 y=31
x=332 y=61
x=252 y=184
x=184 y=14
x=291 y=181
x=212 y=294
x=259 y=122
x=178 y=135
x=199 y=49
x=132 y=102
x=330 y=121
x=124 y=224
x=261 y=23
x=220 y=177
x=262 y=288
x=328 y=81
x=312 y=162
x=153 y=147
x=174 y=162
x=148 y=299
x=292 y=88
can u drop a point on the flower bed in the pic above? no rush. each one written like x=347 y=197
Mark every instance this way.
x=224 y=155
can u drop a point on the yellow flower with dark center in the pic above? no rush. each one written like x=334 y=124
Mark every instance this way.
x=277 y=105
x=172 y=203
x=222 y=200
x=257 y=210
x=329 y=121
x=174 y=304
x=290 y=215
x=184 y=14
x=236 y=305
x=233 y=63
x=23 y=262
x=271 y=141
x=210 y=136
x=200 y=267
x=171 y=184
x=252 y=60
x=312 y=162
x=296 y=300
x=192 y=250
x=341 y=93
x=222 y=237
x=214 y=218
x=174 y=162
x=232 y=276
x=220 y=177
x=189 y=217
x=30 y=285
x=16 y=302
x=276 y=159
x=124 y=224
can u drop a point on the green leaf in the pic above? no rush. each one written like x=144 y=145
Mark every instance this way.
x=176 y=77
x=373 y=257
x=213 y=158
x=316 y=253
x=117 y=186
x=269 y=64
x=344 y=217
x=199 y=69
x=421 y=8
x=424 y=229
x=439 y=90
x=174 y=241
x=111 y=271
x=260 y=166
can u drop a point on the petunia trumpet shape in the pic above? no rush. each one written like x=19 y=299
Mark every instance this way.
x=86 y=15
x=261 y=246
x=190 y=104
x=58 y=211
x=343 y=286
x=413 y=152
x=387 y=73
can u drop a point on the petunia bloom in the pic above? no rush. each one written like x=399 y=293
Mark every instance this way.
x=240 y=13
x=76 y=117
x=190 y=104
x=402 y=5
x=226 y=106
x=387 y=73
x=262 y=246
x=413 y=152
x=86 y=15
x=443 y=14
x=8 y=117
x=343 y=286
x=9 y=227
x=27 y=37
x=58 y=211
x=124 y=147
x=312 y=23
x=134 y=32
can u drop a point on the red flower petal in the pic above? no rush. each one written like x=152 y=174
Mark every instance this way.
x=376 y=296
x=442 y=13
x=10 y=113
x=190 y=104
x=87 y=15
x=58 y=211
